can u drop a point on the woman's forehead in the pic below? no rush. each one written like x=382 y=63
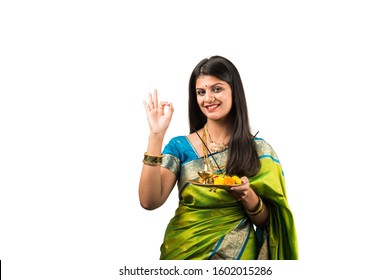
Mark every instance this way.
x=205 y=81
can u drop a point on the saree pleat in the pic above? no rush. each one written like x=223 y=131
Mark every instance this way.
x=212 y=225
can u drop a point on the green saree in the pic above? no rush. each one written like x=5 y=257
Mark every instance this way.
x=211 y=224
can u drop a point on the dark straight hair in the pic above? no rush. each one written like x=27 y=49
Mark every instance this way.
x=242 y=158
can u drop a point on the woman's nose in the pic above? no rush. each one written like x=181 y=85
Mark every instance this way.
x=209 y=96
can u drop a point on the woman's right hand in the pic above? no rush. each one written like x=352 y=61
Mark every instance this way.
x=156 y=183
x=158 y=118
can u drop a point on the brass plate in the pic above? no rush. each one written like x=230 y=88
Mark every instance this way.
x=196 y=183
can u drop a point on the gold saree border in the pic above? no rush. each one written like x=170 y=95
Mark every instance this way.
x=232 y=245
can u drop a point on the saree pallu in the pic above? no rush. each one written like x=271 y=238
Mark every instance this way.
x=211 y=224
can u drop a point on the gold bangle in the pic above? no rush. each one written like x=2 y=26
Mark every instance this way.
x=152 y=159
x=259 y=209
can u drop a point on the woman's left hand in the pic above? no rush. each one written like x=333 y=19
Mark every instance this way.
x=250 y=201
x=243 y=191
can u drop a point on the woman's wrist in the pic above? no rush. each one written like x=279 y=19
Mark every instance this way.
x=260 y=207
x=155 y=144
x=251 y=202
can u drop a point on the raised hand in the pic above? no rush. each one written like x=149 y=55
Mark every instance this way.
x=158 y=118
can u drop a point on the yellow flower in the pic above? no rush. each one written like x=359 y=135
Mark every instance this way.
x=236 y=179
x=218 y=180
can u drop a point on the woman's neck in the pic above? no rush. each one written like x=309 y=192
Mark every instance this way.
x=219 y=131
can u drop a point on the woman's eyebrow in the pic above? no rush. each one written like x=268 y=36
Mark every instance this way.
x=216 y=84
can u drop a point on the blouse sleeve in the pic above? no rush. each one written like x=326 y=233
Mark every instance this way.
x=171 y=157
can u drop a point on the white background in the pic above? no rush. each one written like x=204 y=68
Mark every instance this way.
x=73 y=129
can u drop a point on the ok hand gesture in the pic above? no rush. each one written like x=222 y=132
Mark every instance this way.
x=158 y=118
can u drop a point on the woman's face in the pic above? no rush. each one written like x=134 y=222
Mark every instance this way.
x=214 y=97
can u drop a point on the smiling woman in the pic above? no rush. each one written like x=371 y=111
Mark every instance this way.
x=214 y=97
x=249 y=220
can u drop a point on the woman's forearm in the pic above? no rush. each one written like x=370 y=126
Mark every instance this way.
x=257 y=210
x=150 y=186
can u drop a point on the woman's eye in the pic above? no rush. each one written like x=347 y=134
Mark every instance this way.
x=200 y=92
x=217 y=89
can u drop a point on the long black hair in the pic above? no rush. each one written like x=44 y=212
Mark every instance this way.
x=242 y=158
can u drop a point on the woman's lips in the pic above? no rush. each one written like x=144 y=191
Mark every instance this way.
x=211 y=107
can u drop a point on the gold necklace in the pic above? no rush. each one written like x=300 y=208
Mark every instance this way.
x=214 y=146
x=206 y=158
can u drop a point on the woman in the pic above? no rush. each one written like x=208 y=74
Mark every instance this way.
x=250 y=220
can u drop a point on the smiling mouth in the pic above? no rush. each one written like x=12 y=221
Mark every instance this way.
x=211 y=107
